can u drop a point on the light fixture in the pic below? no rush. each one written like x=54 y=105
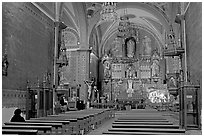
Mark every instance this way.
x=108 y=12
x=126 y=28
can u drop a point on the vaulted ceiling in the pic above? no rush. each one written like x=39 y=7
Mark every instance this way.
x=156 y=17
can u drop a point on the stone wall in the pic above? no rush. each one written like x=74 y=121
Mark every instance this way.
x=28 y=37
x=193 y=20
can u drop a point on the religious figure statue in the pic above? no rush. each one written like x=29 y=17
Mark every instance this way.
x=155 y=68
x=146 y=46
x=130 y=45
x=61 y=75
x=129 y=72
x=89 y=84
x=107 y=67
x=172 y=82
x=130 y=90
x=95 y=93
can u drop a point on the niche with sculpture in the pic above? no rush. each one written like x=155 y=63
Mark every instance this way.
x=130 y=47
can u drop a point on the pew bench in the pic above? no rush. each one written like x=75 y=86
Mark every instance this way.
x=65 y=124
x=80 y=122
x=42 y=130
x=56 y=127
x=20 y=131
x=71 y=126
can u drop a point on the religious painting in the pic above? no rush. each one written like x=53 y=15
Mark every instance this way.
x=146 y=44
x=116 y=48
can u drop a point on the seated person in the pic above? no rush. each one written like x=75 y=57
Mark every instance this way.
x=17 y=116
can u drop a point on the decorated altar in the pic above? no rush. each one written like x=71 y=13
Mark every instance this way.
x=128 y=74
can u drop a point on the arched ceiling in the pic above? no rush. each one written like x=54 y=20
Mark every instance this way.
x=152 y=16
x=82 y=16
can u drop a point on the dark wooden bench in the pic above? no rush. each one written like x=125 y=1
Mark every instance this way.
x=65 y=124
x=42 y=130
x=19 y=131
x=147 y=123
x=144 y=126
x=80 y=122
x=147 y=130
x=139 y=133
x=70 y=128
x=56 y=127
x=142 y=120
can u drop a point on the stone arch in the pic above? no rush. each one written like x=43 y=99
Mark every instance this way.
x=70 y=38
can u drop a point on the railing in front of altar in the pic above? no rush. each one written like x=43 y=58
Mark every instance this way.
x=104 y=105
x=120 y=105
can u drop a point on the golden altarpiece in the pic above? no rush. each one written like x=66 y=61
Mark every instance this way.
x=132 y=64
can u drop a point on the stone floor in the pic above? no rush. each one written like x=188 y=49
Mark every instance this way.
x=106 y=125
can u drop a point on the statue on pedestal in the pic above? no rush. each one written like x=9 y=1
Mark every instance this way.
x=130 y=48
x=107 y=66
x=155 y=68
x=130 y=90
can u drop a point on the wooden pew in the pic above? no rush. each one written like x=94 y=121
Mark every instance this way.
x=72 y=128
x=19 y=131
x=65 y=124
x=42 y=130
x=80 y=122
x=56 y=127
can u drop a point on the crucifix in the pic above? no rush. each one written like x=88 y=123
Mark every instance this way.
x=89 y=84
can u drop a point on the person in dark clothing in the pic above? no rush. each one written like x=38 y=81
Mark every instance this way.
x=17 y=116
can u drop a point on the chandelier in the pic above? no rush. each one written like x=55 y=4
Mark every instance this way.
x=125 y=28
x=108 y=12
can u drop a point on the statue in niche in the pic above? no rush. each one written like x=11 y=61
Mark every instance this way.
x=61 y=75
x=172 y=82
x=130 y=72
x=155 y=68
x=130 y=47
x=146 y=46
x=130 y=90
x=107 y=67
